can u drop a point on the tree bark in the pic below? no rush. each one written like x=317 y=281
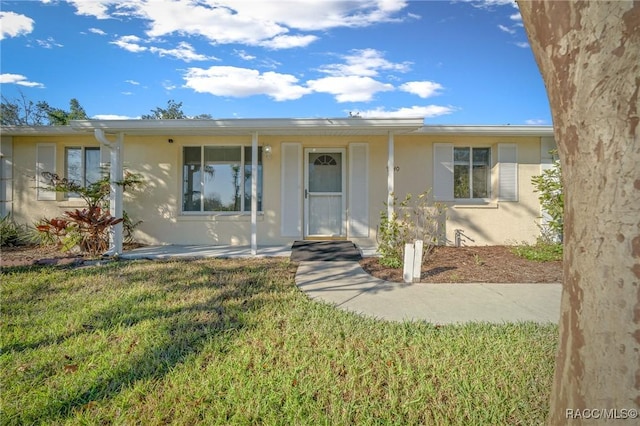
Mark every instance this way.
x=589 y=55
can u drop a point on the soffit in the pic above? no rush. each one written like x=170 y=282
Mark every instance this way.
x=285 y=127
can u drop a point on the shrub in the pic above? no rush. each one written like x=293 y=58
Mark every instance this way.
x=14 y=234
x=551 y=195
x=87 y=228
x=542 y=251
x=411 y=220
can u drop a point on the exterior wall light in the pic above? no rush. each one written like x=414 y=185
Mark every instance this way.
x=267 y=151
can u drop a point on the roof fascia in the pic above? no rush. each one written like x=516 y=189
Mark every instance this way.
x=506 y=130
x=36 y=130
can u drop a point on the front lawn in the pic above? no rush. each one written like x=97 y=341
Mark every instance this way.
x=235 y=342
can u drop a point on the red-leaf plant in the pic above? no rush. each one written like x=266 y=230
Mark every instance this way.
x=93 y=224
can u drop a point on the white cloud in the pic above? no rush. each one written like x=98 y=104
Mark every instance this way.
x=130 y=43
x=426 y=111
x=243 y=82
x=349 y=88
x=135 y=83
x=13 y=25
x=97 y=31
x=184 y=52
x=18 y=79
x=244 y=55
x=168 y=85
x=313 y=15
x=365 y=62
x=522 y=44
x=536 y=122
x=273 y=24
x=96 y=8
x=516 y=17
x=507 y=29
x=424 y=89
x=492 y=3
x=288 y=42
x=49 y=43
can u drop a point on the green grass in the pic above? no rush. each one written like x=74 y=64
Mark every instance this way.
x=235 y=342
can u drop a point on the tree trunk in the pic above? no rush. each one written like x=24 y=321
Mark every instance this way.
x=589 y=56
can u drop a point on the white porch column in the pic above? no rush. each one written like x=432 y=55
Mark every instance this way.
x=116 y=175
x=254 y=193
x=390 y=175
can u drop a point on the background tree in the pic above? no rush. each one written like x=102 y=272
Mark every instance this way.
x=172 y=112
x=22 y=112
x=60 y=117
x=589 y=55
x=203 y=117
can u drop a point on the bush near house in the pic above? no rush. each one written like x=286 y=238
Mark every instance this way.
x=551 y=195
x=14 y=234
x=549 y=186
x=87 y=228
x=411 y=220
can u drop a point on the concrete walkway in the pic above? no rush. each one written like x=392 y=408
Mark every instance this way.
x=347 y=286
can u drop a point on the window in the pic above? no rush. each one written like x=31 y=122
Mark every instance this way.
x=82 y=165
x=218 y=179
x=464 y=173
x=471 y=172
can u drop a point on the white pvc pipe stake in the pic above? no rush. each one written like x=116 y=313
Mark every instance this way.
x=417 y=260
x=407 y=270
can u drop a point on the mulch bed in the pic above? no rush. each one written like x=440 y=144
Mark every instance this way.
x=483 y=264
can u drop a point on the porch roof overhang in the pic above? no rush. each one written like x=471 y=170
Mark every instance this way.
x=277 y=126
x=486 y=130
x=284 y=127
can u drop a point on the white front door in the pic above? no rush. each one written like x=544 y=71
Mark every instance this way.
x=324 y=192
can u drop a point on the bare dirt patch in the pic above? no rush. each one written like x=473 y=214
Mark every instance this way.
x=495 y=264
x=37 y=255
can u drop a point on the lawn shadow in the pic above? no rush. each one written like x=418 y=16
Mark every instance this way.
x=187 y=304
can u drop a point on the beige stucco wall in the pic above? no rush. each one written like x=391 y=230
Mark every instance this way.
x=496 y=222
x=159 y=205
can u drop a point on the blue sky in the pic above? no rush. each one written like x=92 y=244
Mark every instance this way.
x=452 y=62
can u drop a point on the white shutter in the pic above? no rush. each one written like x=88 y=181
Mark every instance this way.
x=359 y=190
x=507 y=172
x=443 y=171
x=6 y=176
x=291 y=190
x=45 y=162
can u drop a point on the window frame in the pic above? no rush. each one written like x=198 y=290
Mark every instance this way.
x=470 y=173
x=245 y=165
x=83 y=165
